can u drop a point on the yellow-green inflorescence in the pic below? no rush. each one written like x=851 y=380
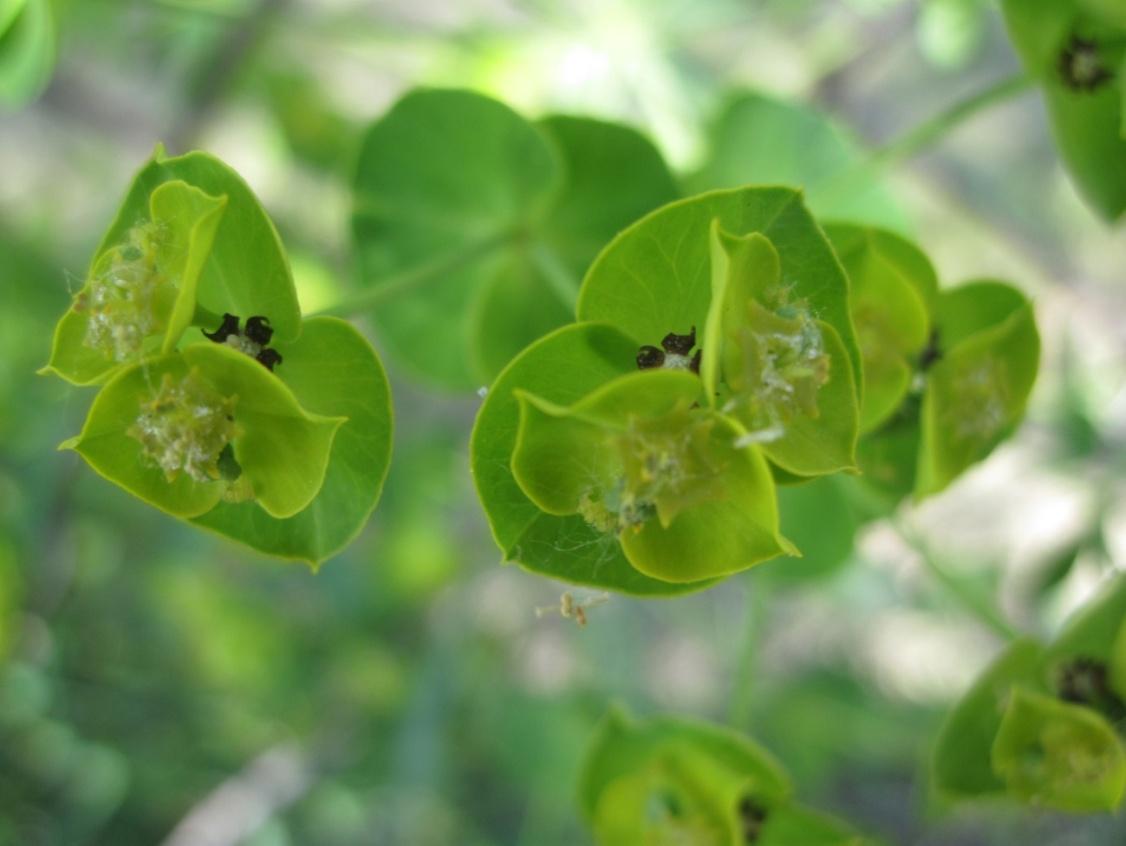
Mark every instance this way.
x=665 y=468
x=186 y=426
x=780 y=366
x=128 y=296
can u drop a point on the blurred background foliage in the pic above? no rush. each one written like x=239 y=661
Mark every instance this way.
x=158 y=685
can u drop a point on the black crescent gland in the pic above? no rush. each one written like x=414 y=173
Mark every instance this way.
x=258 y=330
x=269 y=358
x=649 y=357
x=228 y=327
x=679 y=344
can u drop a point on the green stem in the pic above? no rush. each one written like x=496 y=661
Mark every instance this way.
x=743 y=688
x=559 y=279
x=968 y=597
x=392 y=286
x=944 y=122
x=917 y=139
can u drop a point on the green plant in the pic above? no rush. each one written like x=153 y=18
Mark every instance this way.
x=260 y=425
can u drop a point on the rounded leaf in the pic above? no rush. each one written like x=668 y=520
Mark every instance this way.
x=655 y=277
x=332 y=370
x=560 y=368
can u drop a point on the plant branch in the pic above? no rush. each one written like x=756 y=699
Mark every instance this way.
x=917 y=139
x=391 y=286
x=930 y=130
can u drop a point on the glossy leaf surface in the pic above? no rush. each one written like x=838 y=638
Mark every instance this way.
x=962 y=765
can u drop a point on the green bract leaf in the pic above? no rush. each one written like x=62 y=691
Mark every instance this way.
x=1085 y=663
x=183 y=430
x=695 y=776
x=246 y=272
x=771 y=362
x=1076 y=49
x=560 y=368
x=764 y=141
x=141 y=292
x=962 y=763
x=655 y=277
x=331 y=370
x=477 y=224
x=976 y=393
x=638 y=463
x=27 y=50
x=892 y=284
x=1059 y=755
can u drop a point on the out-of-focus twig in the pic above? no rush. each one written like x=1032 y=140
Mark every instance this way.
x=240 y=805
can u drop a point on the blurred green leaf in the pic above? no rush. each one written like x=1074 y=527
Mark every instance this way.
x=760 y=140
x=962 y=766
x=1059 y=755
x=950 y=32
x=669 y=780
x=1076 y=48
x=976 y=393
x=27 y=50
x=476 y=224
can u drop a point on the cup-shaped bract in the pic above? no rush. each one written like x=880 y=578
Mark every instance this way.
x=1039 y=724
x=1076 y=50
x=892 y=287
x=187 y=429
x=754 y=272
x=670 y=780
x=140 y=294
x=773 y=365
x=638 y=462
x=977 y=391
x=1059 y=755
